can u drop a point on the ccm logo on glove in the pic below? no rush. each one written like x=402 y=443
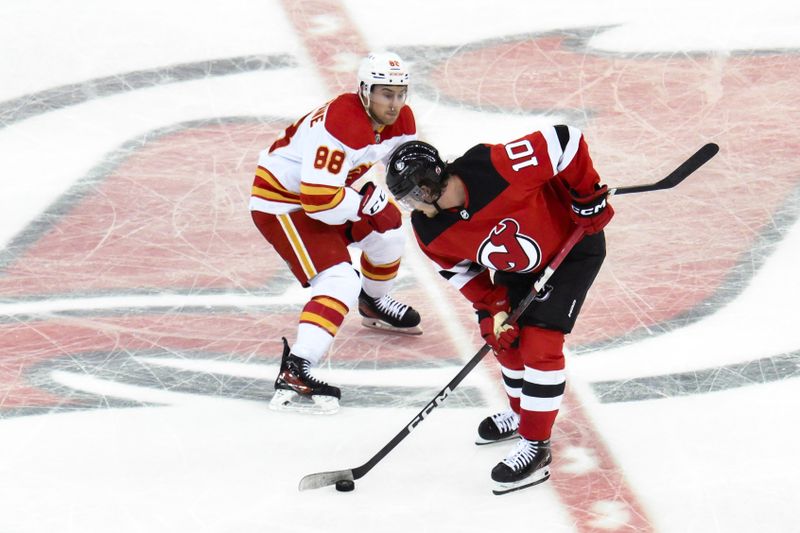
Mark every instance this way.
x=377 y=210
x=592 y=212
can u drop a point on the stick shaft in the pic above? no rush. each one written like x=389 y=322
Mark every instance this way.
x=313 y=481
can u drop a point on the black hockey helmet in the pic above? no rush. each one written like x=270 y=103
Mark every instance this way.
x=415 y=173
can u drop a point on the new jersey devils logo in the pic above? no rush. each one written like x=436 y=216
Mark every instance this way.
x=507 y=249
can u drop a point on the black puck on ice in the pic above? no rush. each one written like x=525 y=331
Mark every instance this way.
x=345 y=485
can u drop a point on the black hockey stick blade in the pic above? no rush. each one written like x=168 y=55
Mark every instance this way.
x=700 y=158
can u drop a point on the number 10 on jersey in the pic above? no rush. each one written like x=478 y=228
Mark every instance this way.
x=522 y=149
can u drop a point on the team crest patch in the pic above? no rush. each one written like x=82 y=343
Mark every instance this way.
x=507 y=249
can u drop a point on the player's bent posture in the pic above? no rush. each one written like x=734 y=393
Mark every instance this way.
x=302 y=202
x=507 y=209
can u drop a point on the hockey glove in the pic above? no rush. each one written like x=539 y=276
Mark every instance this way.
x=492 y=312
x=381 y=214
x=592 y=212
x=498 y=336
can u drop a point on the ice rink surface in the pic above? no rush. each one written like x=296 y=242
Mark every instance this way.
x=141 y=312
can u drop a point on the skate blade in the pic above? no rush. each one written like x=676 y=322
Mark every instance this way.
x=290 y=402
x=482 y=442
x=540 y=476
x=380 y=325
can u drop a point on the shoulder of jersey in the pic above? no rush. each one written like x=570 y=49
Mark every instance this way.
x=428 y=229
x=347 y=120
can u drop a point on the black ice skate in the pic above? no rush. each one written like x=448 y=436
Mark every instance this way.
x=297 y=390
x=527 y=465
x=387 y=314
x=498 y=428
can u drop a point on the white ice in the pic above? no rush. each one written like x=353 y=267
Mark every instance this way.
x=723 y=461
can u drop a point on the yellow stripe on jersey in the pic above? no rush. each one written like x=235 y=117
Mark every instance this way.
x=316 y=198
x=313 y=189
x=267 y=176
x=266 y=186
x=274 y=196
x=297 y=245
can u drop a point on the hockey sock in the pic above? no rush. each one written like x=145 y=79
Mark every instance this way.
x=543 y=381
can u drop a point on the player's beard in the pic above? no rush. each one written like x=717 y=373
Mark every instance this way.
x=384 y=120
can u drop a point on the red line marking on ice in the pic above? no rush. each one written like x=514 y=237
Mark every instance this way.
x=330 y=38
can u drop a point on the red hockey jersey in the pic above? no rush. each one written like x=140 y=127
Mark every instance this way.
x=517 y=212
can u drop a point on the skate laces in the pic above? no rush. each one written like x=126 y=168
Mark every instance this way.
x=523 y=454
x=390 y=306
x=506 y=421
x=305 y=370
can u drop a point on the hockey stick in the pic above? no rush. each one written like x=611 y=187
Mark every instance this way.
x=323 y=479
x=697 y=160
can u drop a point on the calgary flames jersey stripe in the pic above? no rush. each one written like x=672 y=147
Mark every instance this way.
x=379 y=272
x=266 y=186
x=297 y=246
x=324 y=312
x=333 y=303
x=315 y=198
x=312 y=318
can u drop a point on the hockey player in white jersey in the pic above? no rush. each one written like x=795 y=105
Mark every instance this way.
x=302 y=202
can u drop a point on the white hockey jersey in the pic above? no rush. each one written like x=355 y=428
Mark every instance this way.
x=312 y=166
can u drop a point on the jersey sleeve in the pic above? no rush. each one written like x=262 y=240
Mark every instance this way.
x=470 y=278
x=569 y=158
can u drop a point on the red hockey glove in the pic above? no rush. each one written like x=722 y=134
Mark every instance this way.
x=381 y=214
x=496 y=334
x=492 y=312
x=592 y=212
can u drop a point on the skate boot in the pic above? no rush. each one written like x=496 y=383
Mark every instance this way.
x=387 y=314
x=498 y=428
x=527 y=465
x=297 y=390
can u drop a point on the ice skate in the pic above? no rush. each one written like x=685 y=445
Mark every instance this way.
x=527 y=465
x=297 y=390
x=499 y=427
x=387 y=314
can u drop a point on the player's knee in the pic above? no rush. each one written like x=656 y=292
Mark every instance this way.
x=340 y=281
x=386 y=247
x=542 y=348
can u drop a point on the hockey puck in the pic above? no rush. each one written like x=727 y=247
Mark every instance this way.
x=345 y=485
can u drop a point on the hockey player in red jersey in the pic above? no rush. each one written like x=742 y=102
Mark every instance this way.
x=506 y=209
x=303 y=204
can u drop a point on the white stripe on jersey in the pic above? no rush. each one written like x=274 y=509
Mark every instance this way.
x=275 y=208
x=559 y=159
x=463 y=274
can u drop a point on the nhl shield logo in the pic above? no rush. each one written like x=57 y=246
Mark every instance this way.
x=507 y=249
